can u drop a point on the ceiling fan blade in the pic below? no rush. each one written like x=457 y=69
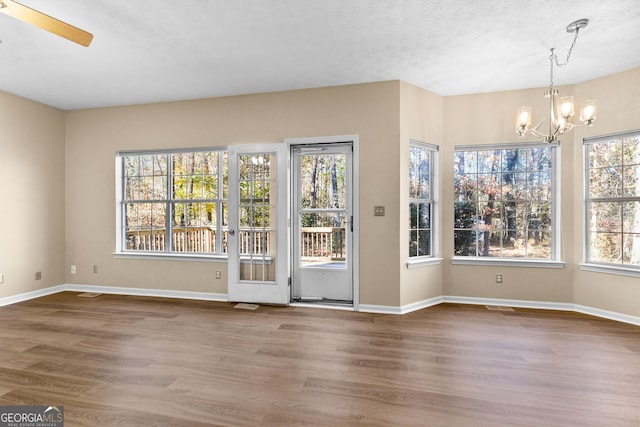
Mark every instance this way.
x=46 y=22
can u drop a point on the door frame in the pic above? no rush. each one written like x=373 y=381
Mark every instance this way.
x=355 y=195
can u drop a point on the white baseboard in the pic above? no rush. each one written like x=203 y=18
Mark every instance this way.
x=541 y=305
x=205 y=296
x=388 y=309
x=381 y=309
x=162 y=293
x=14 y=299
x=366 y=308
x=605 y=314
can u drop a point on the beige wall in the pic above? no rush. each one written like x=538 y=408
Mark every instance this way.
x=618 y=98
x=490 y=118
x=32 y=179
x=61 y=186
x=421 y=119
x=93 y=137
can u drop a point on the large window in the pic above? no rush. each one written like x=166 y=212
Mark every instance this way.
x=173 y=202
x=421 y=198
x=613 y=200
x=504 y=201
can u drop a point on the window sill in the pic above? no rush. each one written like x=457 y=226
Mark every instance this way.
x=423 y=262
x=172 y=257
x=611 y=269
x=188 y=257
x=506 y=262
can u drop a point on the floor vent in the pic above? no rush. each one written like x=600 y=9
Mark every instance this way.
x=498 y=308
x=89 y=295
x=245 y=306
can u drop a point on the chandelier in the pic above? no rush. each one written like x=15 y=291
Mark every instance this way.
x=561 y=110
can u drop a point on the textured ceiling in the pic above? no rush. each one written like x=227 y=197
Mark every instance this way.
x=163 y=50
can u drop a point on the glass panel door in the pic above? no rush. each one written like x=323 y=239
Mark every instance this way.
x=256 y=269
x=322 y=223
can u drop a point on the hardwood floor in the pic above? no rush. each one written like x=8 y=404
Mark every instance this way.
x=136 y=361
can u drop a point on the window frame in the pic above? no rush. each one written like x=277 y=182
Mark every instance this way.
x=588 y=263
x=432 y=257
x=554 y=260
x=169 y=202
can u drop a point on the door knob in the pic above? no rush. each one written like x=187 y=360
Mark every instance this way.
x=232 y=232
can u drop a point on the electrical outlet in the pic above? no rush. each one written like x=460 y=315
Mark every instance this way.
x=73 y=269
x=38 y=275
x=498 y=278
x=218 y=274
x=378 y=211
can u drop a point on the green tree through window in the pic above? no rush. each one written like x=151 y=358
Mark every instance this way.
x=174 y=202
x=503 y=201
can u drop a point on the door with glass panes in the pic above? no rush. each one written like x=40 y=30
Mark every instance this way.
x=257 y=224
x=322 y=223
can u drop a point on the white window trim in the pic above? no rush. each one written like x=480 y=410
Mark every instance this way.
x=122 y=253
x=433 y=259
x=587 y=264
x=508 y=262
x=423 y=261
x=610 y=269
x=555 y=260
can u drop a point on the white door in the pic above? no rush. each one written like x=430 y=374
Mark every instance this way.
x=322 y=223
x=257 y=242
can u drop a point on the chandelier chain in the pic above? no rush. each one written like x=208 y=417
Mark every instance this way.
x=554 y=58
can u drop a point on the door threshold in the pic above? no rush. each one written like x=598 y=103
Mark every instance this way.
x=323 y=303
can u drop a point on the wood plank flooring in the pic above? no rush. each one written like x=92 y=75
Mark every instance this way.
x=137 y=361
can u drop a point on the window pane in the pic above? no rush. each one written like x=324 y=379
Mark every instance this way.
x=419 y=173
x=465 y=187
x=514 y=160
x=630 y=217
x=421 y=158
x=193 y=225
x=420 y=243
x=132 y=188
x=605 y=247
x=538 y=159
x=512 y=216
x=413 y=216
x=424 y=215
x=539 y=243
x=631 y=248
x=605 y=153
x=489 y=161
x=605 y=182
x=539 y=186
x=413 y=243
x=614 y=225
x=631 y=148
x=144 y=227
x=466 y=162
x=489 y=187
x=466 y=214
x=631 y=181
x=325 y=179
x=605 y=216
x=466 y=242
